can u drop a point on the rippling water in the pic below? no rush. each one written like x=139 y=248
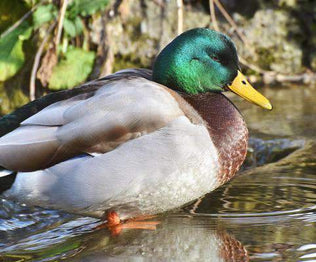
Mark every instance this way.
x=267 y=213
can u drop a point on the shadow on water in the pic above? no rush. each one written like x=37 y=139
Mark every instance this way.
x=267 y=213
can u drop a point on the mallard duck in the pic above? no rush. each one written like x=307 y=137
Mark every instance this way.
x=137 y=142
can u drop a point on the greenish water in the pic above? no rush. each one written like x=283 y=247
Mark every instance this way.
x=267 y=213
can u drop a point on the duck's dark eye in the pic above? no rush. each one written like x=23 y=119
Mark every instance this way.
x=215 y=58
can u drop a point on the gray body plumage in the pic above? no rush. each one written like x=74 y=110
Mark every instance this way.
x=127 y=146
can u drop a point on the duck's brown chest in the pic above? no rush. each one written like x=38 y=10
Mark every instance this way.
x=226 y=128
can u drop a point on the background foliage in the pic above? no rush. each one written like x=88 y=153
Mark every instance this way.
x=44 y=49
x=76 y=59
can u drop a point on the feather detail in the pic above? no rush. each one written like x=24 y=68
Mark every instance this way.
x=96 y=122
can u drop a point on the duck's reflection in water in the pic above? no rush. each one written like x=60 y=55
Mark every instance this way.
x=175 y=239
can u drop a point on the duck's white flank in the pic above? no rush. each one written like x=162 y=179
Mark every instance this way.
x=170 y=162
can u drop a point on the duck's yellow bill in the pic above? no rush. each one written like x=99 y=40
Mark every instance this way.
x=241 y=87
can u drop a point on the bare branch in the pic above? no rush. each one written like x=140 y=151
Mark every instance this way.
x=103 y=64
x=252 y=66
x=37 y=61
x=269 y=77
x=213 y=15
x=60 y=22
x=180 y=16
x=231 y=22
x=160 y=3
x=274 y=77
x=51 y=58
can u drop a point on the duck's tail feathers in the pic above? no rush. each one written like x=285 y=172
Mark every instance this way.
x=7 y=179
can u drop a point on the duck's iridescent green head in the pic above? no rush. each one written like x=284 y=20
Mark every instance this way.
x=197 y=61
x=202 y=60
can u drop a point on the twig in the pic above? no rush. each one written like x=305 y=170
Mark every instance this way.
x=160 y=3
x=60 y=22
x=103 y=62
x=252 y=66
x=267 y=76
x=37 y=61
x=86 y=37
x=180 y=16
x=108 y=65
x=231 y=22
x=21 y=20
x=274 y=77
x=241 y=36
x=213 y=15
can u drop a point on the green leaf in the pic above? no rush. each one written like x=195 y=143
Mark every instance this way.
x=73 y=28
x=72 y=70
x=69 y=27
x=86 y=7
x=11 y=52
x=78 y=25
x=44 y=14
x=31 y=3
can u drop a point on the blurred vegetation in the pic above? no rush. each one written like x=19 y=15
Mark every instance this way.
x=75 y=59
x=49 y=45
x=57 y=53
x=11 y=53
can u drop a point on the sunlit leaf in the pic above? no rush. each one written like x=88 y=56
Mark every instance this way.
x=70 y=27
x=73 y=27
x=11 y=52
x=44 y=14
x=86 y=7
x=78 y=25
x=31 y=3
x=72 y=70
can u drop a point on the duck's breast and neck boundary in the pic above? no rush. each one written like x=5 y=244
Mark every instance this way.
x=226 y=128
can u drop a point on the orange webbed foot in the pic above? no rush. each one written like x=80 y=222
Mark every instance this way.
x=116 y=225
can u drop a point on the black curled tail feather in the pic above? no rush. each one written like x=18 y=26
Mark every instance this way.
x=6 y=181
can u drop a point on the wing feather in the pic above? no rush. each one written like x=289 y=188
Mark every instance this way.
x=96 y=123
x=179 y=158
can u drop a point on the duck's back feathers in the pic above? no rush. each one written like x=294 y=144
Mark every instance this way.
x=12 y=121
x=94 y=122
